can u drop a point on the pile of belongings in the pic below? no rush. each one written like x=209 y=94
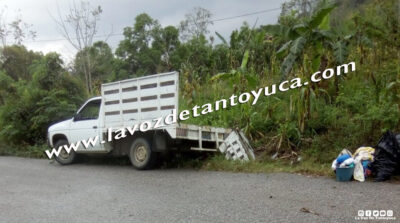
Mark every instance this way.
x=360 y=160
x=381 y=162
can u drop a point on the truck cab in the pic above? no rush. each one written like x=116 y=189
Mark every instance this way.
x=83 y=125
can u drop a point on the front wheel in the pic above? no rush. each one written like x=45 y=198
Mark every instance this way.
x=64 y=158
x=141 y=155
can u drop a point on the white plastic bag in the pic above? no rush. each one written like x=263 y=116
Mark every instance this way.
x=334 y=164
x=347 y=162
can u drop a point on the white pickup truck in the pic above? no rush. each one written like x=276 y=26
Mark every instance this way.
x=126 y=103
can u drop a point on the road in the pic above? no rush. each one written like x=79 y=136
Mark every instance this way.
x=34 y=190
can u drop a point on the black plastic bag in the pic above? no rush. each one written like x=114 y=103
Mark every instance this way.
x=386 y=157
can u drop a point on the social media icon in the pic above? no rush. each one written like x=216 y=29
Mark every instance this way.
x=382 y=213
x=368 y=213
x=389 y=213
x=361 y=213
x=375 y=213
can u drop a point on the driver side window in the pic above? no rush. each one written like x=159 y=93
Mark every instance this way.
x=90 y=111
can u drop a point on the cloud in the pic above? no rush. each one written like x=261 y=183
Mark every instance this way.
x=62 y=47
x=118 y=14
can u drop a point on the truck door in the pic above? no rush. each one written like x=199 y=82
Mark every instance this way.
x=85 y=126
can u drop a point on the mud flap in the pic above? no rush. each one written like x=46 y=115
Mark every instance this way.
x=237 y=147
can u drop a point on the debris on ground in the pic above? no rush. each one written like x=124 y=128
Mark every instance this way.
x=237 y=147
x=306 y=210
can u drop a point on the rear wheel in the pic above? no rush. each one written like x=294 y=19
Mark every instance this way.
x=64 y=158
x=141 y=155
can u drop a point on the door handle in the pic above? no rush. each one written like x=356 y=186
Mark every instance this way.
x=95 y=127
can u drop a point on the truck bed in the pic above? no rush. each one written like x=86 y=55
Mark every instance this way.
x=134 y=101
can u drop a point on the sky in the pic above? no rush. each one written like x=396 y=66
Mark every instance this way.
x=118 y=14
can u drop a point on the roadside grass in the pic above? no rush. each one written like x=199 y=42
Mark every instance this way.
x=36 y=151
x=219 y=163
x=197 y=161
x=307 y=167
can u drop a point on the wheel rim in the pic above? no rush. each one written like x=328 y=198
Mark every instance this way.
x=141 y=153
x=63 y=154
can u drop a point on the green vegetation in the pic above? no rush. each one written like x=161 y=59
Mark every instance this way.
x=313 y=123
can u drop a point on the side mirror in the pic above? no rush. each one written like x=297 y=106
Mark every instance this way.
x=77 y=117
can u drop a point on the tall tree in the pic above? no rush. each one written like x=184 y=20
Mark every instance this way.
x=101 y=66
x=16 y=29
x=167 y=42
x=195 y=24
x=79 y=26
x=136 y=48
x=15 y=61
x=52 y=95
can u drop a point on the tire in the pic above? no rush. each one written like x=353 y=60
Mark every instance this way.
x=64 y=158
x=141 y=155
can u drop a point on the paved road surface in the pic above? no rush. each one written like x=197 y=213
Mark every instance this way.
x=33 y=190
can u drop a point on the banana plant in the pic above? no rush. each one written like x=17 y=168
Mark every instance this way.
x=308 y=36
x=239 y=78
x=305 y=45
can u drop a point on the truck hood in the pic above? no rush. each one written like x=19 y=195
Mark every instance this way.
x=64 y=125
